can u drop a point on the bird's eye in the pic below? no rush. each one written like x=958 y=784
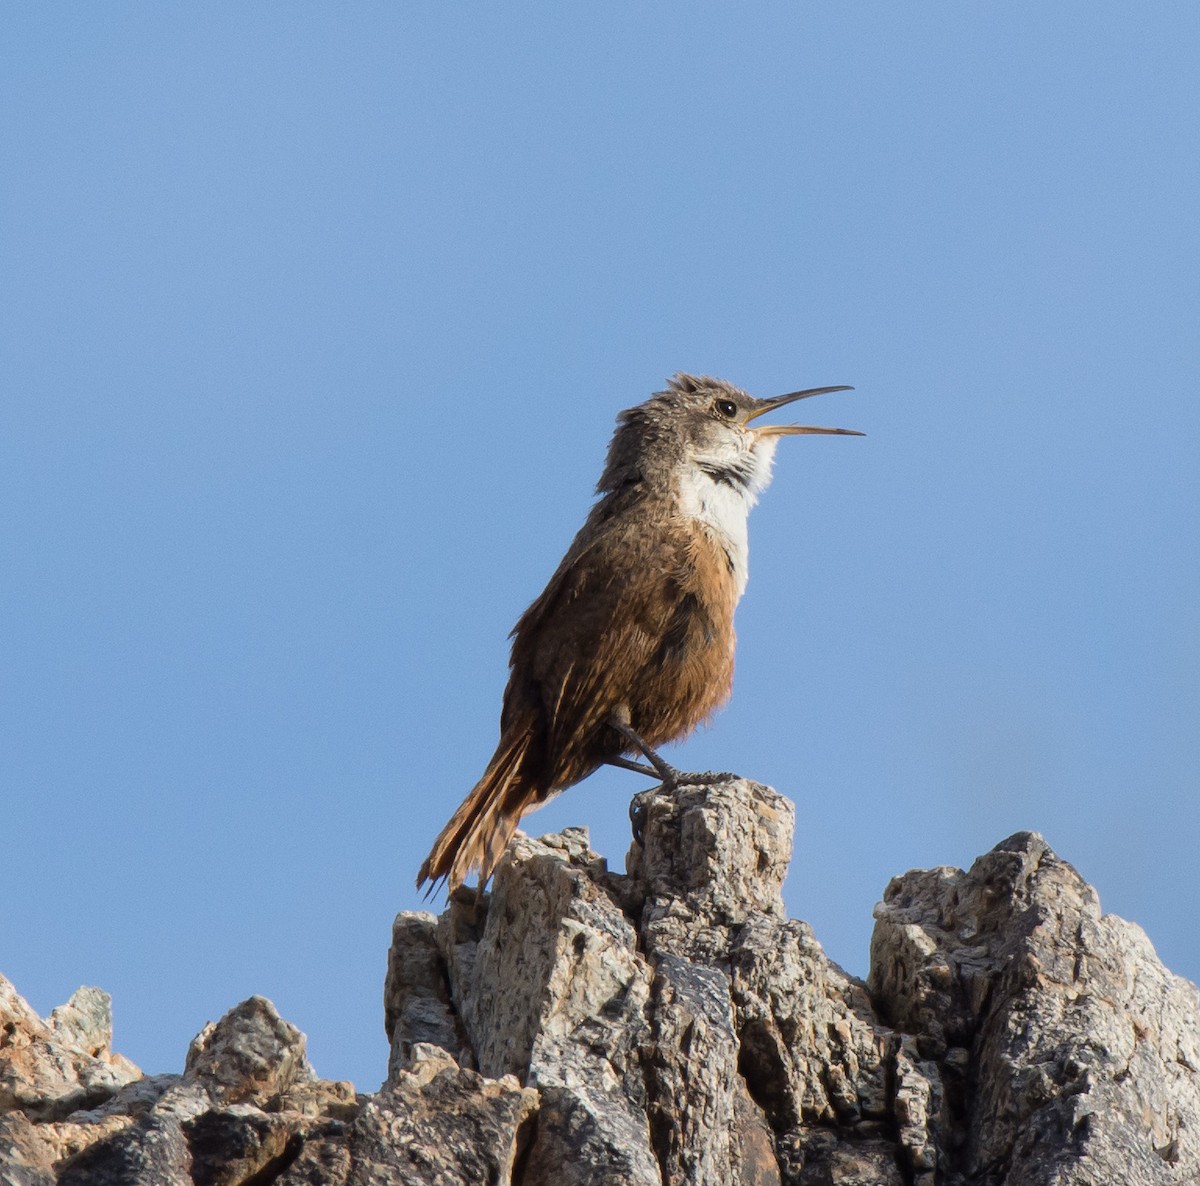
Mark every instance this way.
x=727 y=408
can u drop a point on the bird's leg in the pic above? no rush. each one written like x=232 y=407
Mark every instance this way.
x=636 y=767
x=659 y=767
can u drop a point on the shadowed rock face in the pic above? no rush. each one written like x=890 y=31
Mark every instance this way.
x=669 y=1026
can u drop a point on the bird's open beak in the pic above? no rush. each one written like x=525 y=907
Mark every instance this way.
x=779 y=430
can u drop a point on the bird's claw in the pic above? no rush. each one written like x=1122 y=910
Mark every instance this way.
x=703 y=778
x=637 y=817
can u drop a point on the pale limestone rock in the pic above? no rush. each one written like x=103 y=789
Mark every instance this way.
x=554 y=991
x=1070 y=1055
x=589 y=1137
x=50 y=1068
x=416 y=1000
x=812 y=1053
x=52 y=1143
x=440 y=1124
x=693 y=1080
x=670 y=1027
x=251 y=1053
x=750 y=1038
x=27 y=1151
x=787 y=1041
x=246 y=1108
x=706 y=858
x=707 y=862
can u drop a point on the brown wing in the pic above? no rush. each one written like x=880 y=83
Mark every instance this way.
x=622 y=627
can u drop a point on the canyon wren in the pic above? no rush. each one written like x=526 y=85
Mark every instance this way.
x=631 y=643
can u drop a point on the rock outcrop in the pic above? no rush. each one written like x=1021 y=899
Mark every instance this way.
x=669 y=1026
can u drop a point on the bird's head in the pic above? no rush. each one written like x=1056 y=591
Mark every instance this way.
x=705 y=422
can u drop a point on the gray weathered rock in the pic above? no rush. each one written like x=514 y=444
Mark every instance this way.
x=1008 y=1034
x=1069 y=1053
x=669 y=1027
x=250 y=1054
x=418 y=1007
x=554 y=991
x=246 y=1107
x=48 y=1069
x=440 y=1123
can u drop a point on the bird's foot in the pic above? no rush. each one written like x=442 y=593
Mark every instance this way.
x=703 y=778
x=672 y=780
x=637 y=819
x=656 y=766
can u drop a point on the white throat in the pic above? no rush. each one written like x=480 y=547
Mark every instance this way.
x=718 y=492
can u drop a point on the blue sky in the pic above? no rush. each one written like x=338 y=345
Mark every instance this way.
x=317 y=321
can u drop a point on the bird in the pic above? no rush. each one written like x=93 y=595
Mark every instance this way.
x=631 y=643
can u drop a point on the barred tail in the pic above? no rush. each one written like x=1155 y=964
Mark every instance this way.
x=479 y=831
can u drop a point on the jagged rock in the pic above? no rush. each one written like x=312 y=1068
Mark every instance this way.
x=48 y=1069
x=153 y=1152
x=27 y=1152
x=554 y=991
x=251 y=1053
x=324 y=1160
x=669 y=1027
x=439 y=1123
x=750 y=1038
x=1071 y=1053
x=416 y=1003
x=233 y=1144
x=245 y=1109
x=811 y=1051
x=693 y=1061
x=707 y=858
